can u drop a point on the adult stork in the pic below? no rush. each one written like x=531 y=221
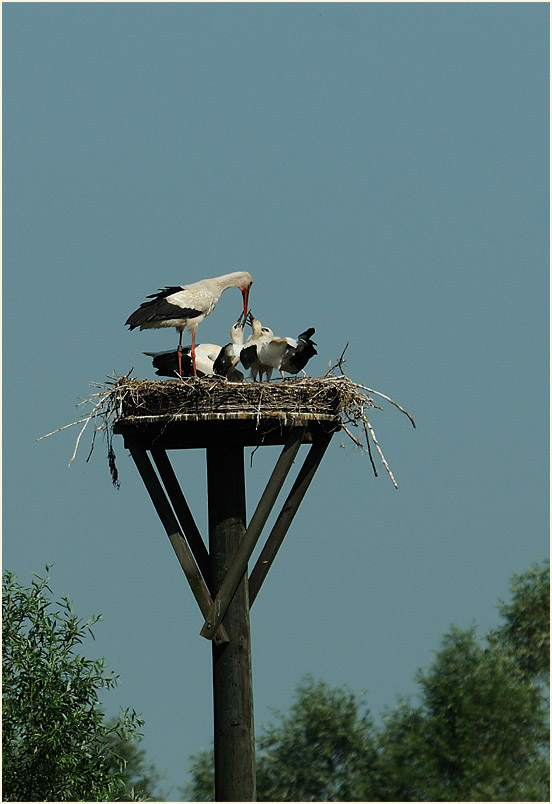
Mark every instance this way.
x=185 y=307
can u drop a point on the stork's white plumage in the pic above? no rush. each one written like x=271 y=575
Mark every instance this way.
x=185 y=306
x=270 y=353
x=266 y=351
x=229 y=355
x=250 y=355
x=168 y=364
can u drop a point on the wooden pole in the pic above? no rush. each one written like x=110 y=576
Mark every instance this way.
x=234 y=735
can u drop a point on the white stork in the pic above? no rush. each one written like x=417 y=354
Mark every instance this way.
x=176 y=363
x=298 y=353
x=266 y=352
x=185 y=307
x=229 y=355
x=250 y=355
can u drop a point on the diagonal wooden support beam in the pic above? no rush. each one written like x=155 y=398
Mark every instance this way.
x=289 y=509
x=182 y=511
x=241 y=558
x=169 y=522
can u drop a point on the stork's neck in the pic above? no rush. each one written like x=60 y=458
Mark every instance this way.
x=237 y=279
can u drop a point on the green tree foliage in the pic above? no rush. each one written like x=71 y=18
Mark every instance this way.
x=318 y=752
x=201 y=786
x=526 y=630
x=478 y=731
x=478 y=734
x=55 y=740
x=334 y=741
x=140 y=776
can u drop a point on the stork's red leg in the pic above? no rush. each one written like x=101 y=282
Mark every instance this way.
x=180 y=354
x=193 y=353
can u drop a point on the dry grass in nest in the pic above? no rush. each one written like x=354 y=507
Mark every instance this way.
x=328 y=396
x=334 y=396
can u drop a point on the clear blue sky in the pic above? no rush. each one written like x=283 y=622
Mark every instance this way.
x=382 y=171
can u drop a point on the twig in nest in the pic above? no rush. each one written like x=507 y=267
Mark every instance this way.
x=356 y=412
x=93 y=413
x=352 y=437
x=106 y=408
x=369 y=448
x=340 y=363
x=388 y=398
x=259 y=407
x=59 y=429
x=368 y=428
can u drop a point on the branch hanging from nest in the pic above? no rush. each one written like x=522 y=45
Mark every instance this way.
x=105 y=409
x=339 y=365
x=334 y=396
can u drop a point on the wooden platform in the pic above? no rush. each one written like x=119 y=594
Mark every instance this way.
x=192 y=431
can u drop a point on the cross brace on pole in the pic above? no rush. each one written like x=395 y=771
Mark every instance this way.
x=168 y=519
x=238 y=567
x=289 y=509
x=194 y=558
x=182 y=510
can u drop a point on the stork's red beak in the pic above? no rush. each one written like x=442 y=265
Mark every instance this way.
x=245 y=294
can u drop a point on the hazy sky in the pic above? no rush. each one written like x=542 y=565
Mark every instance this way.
x=382 y=171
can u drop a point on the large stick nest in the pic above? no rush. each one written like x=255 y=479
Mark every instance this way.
x=328 y=396
x=334 y=397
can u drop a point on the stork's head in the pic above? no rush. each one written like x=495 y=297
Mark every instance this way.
x=236 y=330
x=255 y=324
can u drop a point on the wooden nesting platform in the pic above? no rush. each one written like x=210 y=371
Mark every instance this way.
x=194 y=413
